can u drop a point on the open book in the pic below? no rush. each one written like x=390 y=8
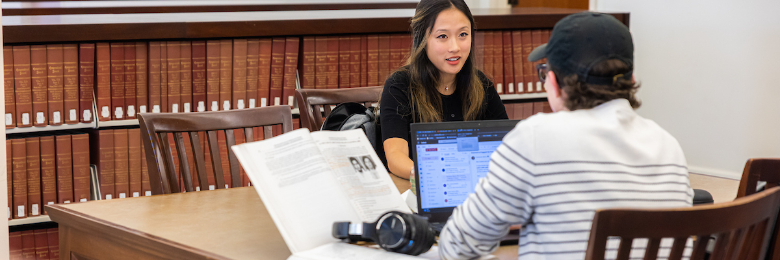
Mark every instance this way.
x=307 y=181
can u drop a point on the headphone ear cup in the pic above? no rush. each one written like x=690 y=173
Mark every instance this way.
x=422 y=235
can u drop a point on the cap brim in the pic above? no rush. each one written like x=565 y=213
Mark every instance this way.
x=538 y=53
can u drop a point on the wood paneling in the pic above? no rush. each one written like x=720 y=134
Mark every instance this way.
x=576 y=4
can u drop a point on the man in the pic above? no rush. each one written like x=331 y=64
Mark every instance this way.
x=554 y=170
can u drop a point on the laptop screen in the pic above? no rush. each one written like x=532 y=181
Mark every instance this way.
x=450 y=158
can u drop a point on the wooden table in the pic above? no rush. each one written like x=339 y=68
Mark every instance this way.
x=219 y=224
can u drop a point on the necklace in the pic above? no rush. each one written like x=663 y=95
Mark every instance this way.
x=446 y=87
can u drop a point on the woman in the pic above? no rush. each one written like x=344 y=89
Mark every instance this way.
x=438 y=83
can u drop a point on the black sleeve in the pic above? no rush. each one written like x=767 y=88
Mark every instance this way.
x=395 y=113
x=494 y=108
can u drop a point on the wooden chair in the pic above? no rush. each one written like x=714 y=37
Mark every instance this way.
x=157 y=127
x=743 y=227
x=310 y=100
x=768 y=170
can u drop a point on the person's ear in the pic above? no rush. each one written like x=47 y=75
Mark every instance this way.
x=633 y=80
x=552 y=84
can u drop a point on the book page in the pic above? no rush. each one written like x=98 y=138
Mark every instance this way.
x=360 y=173
x=297 y=187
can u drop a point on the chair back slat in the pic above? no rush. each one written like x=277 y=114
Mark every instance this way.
x=624 y=251
x=719 y=251
x=313 y=102
x=735 y=249
x=200 y=165
x=216 y=160
x=235 y=169
x=677 y=248
x=268 y=132
x=651 y=252
x=169 y=165
x=700 y=246
x=185 y=164
x=767 y=170
x=249 y=135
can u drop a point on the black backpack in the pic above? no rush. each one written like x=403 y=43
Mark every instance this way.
x=351 y=115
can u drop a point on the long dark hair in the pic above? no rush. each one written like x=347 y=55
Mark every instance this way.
x=424 y=76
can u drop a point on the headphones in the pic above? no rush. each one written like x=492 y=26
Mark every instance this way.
x=394 y=231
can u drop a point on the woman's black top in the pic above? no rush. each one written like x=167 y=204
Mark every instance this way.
x=396 y=115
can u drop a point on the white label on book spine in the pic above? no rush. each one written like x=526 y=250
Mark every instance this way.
x=87 y=115
x=119 y=112
x=56 y=117
x=122 y=195
x=201 y=106
x=187 y=108
x=530 y=87
x=520 y=87
x=252 y=103
x=148 y=193
x=263 y=102
x=131 y=111
x=105 y=112
x=25 y=118
x=226 y=105
x=499 y=88
x=290 y=100
x=240 y=104
x=9 y=119
x=197 y=188
x=277 y=101
x=214 y=106
x=108 y=196
x=211 y=187
x=34 y=208
x=156 y=109
x=142 y=109
x=226 y=186
x=83 y=200
x=40 y=118
x=20 y=211
x=175 y=108
x=539 y=86
x=50 y=203
x=135 y=194
x=67 y=201
x=74 y=115
x=511 y=88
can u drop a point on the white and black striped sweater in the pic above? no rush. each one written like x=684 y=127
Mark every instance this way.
x=554 y=170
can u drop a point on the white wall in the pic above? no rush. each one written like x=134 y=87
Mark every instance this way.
x=710 y=76
x=487 y=4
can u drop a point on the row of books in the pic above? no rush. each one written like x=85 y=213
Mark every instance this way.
x=520 y=111
x=34 y=244
x=503 y=56
x=46 y=170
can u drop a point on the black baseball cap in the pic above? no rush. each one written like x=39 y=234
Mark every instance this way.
x=581 y=40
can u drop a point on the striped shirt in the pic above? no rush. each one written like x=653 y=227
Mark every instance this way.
x=554 y=170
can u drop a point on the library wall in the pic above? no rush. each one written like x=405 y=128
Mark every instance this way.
x=708 y=75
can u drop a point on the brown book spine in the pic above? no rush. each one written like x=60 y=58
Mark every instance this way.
x=498 y=61
x=510 y=110
x=185 y=76
x=86 y=81
x=538 y=107
x=48 y=172
x=489 y=55
x=134 y=161
x=23 y=85
x=354 y=62
x=321 y=62
x=41 y=244
x=363 y=60
x=104 y=159
x=199 y=76
x=223 y=155
x=406 y=48
x=529 y=68
x=528 y=110
x=333 y=62
x=9 y=163
x=118 y=81
x=239 y=73
x=19 y=178
x=384 y=58
x=373 y=60
x=81 y=174
x=70 y=78
x=104 y=81
x=264 y=75
x=155 y=105
x=39 y=84
x=64 y=176
x=8 y=84
x=33 y=176
x=212 y=74
x=225 y=73
x=479 y=50
x=252 y=70
x=28 y=244
x=509 y=76
x=308 y=68
x=146 y=188
x=290 y=69
x=545 y=39
x=15 y=245
x=277 y=71
x=395 y=52
x=174 y=77
x=518 y=62
x=130 y=87
x=164 y=77
x=121 y=163
x=141 y=79
x=536 y=37
x=54 y=243
x=344 y=62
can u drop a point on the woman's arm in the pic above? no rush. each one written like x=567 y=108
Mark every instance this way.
x=397 y=154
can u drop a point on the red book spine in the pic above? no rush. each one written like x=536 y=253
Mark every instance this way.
x=134 y=161
x=223 y=157
x=54 y=243
x=536 y=37
x=70 y=83
x=406 y=48
x=121 y=163
x=308 y=68
x=141 y=70
x=264 y=75
x=15 y=245
x=225 y=73
x=509 y=76
x=23 y=86
x=185 y=76
x=48 y=172
x=154 y=77
x=290 y=68
x=498 y=61
x=252 y=70
x=64 y=160
x=545 y=39
x=86 y=81
x=239 y=73
x=395 y=52
x=333 y=62
x=384 y=58
x=479 y=50
x=363 y=60
x=105 y=162
x=19 y=178
x=373 y=60
x=199 y=75
x=146 y=188
x=104 y=81
x=489 y=55
x=174 y=77
x=518 y=62
x=129 y=80
x=354 y=62
x=118 y=81
x=81 y=174
x=344 y=62
x=321 y=62
x=39 y=84
x=164 y=77
x=510 y=110
x=33 y=175
x=212 y=74
x=530 y=70
x=8 y=84
x=41 y=244
x=28 y=244
x=9 y=163
x=277 y=71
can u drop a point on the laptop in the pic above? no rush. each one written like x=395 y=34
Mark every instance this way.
x=449 y=159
